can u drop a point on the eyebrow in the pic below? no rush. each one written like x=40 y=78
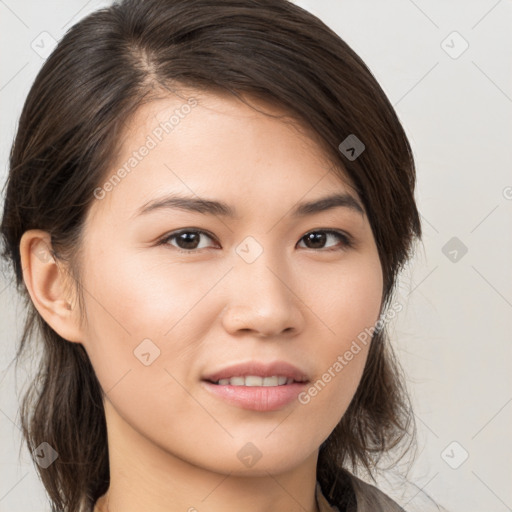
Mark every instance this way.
x=219 y=208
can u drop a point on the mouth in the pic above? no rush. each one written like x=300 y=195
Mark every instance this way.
x=257 y=386
x=256 y=380
x=256 y=373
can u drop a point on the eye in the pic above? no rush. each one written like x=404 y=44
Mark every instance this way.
x=319 y=237
x=187 y=240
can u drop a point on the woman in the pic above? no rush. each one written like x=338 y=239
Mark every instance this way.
x=207 y=207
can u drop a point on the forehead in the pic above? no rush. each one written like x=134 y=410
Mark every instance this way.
x=216 y=145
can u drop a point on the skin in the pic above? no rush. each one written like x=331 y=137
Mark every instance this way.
x=172 y=445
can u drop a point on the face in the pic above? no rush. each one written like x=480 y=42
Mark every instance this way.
x=176 y=296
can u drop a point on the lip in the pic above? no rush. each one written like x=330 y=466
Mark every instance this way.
x=257 y=398
x=259 y=369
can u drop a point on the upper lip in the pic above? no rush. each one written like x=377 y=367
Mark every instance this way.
x=260 y=369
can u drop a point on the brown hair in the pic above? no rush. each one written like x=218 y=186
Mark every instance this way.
x=70 y=129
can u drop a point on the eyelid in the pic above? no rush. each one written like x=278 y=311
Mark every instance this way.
x=173 y=234
x=348 y=240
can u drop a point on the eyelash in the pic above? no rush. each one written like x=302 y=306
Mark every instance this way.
x=347 y=241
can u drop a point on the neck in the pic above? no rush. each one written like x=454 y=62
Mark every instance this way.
x=145 y=477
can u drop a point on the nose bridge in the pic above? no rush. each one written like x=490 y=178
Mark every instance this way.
x=261 y=298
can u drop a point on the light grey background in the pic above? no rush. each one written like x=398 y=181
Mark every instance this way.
x=453 y=335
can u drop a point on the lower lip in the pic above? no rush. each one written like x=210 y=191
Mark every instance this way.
x=257 y=398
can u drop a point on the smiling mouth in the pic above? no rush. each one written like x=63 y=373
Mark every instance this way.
x=255 y=380
x=256 y=386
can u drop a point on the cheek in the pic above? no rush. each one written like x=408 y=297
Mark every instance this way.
x=140 y=340
x=348 y=300
x=145 y=311
x=128 y=312
x=350 y=306
x=138 y=298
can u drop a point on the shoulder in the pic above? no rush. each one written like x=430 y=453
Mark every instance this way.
x=371 y=499
x=364 y=498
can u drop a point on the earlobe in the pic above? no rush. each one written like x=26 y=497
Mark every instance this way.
x=47 y=283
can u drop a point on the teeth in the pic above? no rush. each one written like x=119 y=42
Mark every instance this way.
x=270 y=381
x=251 y=380
x=254 y=380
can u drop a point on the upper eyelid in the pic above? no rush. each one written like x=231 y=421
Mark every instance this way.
x=339 y=232
x=172 y=234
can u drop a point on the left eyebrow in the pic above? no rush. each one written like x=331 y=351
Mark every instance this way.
x=328 y=203
x=219 y=208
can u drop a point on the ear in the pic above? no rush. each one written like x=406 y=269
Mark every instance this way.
x=48 y=283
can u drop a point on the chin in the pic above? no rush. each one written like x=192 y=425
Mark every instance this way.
x=273 y=459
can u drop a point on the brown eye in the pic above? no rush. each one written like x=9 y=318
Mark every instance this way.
x=187 y=241
x=317 y=239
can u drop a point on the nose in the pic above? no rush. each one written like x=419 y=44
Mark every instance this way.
x=262 y=300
